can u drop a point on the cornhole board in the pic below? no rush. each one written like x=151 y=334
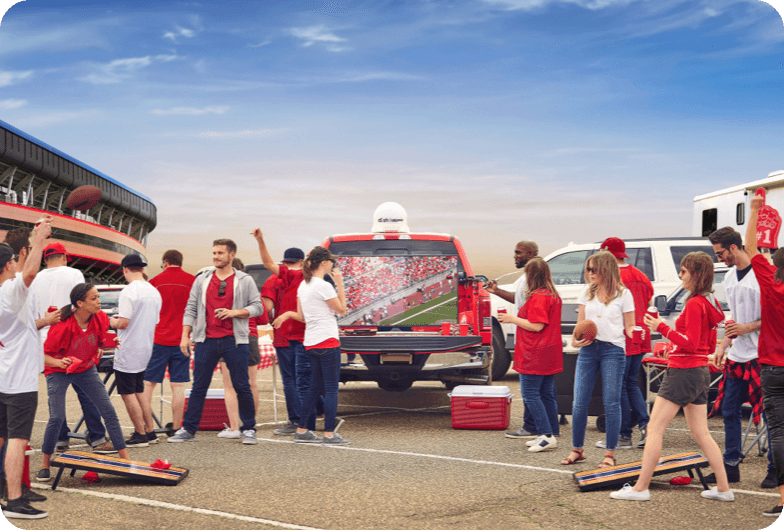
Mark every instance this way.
x=77 y=460
x=619 y=475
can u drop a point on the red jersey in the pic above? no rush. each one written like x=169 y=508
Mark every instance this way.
x=174 y=284
x=273 y=289
x=642 y=292
x=771 y=339
x=540 y=353
x=217 y=328
x=67 y=339
x=695 y=333
x=290 y=279
x=255 y=322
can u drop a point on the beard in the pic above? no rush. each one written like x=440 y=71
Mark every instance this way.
x=522 y=263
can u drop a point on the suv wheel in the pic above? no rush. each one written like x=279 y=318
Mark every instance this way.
x=501 y=358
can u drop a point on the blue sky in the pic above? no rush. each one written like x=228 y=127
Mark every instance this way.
x=495 y=120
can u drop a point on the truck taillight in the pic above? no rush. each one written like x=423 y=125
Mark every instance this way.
x=485 y=317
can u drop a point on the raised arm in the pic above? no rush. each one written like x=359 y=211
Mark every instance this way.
x=751 y=229
x=265 y=255
x=33 y=263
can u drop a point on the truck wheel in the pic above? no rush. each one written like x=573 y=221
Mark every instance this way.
x=395 y=386
x=601 y=423
x=501 y=358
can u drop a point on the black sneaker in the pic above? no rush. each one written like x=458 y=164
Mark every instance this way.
x=773 y=512
x=152 y=437
x=137 y=440
x=31 y=496
x=643 y=437
x=43 y=475
x=21 y=509
x=771 y=480
x=733 y=475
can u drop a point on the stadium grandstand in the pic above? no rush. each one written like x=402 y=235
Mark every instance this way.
x=36 y=178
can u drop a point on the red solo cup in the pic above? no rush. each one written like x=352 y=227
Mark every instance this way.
x=653 y=312
x=637 y=333
x=52 y=309
x=108 y=341
x=502 y=311
x=446 y=328
x=727 y=323
x=463 y=329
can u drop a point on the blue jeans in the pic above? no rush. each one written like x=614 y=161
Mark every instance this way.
x=304 y=380
x=541 y=400
x=736 y=393
x=634 y=412
x=528 y=420
x=92 y=419
x=773 y=401
x=287 y=364
x=610 y=360
x=89 y=381
x=325 y=377
x=205 y=359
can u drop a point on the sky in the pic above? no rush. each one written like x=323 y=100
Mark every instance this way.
x=493 y=120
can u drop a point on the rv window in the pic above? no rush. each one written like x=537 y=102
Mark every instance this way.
x=642 y=259
x=709 y=221
x=568 y=269
x=740 y=214
x=679 y=252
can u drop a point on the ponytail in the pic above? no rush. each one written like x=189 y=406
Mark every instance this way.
x=78 y=294
x=315 y=257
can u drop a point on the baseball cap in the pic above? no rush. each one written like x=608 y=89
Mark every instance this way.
x=6 y=253
x=133 y=260
x=615 y=246
x=293 y=255
x=54 y=248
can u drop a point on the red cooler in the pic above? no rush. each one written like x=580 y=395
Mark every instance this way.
x=214 y=415
x=481 y=407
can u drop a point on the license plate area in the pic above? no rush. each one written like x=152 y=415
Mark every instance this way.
x=392 y=358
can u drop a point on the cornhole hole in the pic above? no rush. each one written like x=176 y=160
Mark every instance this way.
x=619 y=475
x=102 y=464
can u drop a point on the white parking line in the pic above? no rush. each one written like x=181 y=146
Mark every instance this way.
x=170 y=506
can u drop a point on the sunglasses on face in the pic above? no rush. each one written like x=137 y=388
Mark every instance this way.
x=592 y=270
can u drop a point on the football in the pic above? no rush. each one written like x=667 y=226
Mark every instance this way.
x=585 y=330
x=83 y=198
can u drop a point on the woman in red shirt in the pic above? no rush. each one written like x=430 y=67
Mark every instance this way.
x=771 y=343
x=539 y=351
x=686 y=380
x=71 y=353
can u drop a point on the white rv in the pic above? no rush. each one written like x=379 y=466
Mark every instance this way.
x=730 y=206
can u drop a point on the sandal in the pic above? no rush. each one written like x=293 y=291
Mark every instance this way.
x=568 y=461
x=605 y=464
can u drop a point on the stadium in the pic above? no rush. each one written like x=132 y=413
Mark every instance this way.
x=36 y=179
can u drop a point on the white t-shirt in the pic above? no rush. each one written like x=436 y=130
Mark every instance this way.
x=520 y=298
x=21 y=357
x=744 y=300
x=608 y=318
x=52 y=287
x=141 y=304
x=321 y=322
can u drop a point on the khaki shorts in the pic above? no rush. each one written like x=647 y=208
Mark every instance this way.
x=685 y=386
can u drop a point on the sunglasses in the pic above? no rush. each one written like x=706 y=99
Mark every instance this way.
x=592 y=270
x=222 y=290
x=15 y=257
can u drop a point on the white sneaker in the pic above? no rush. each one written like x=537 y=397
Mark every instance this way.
x=626 y=493
x=542 y=443
x=228 y=433
x=716 y=495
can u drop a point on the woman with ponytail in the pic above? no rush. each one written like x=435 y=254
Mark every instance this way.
x=771 y=343
x=71 y=353
x=318 y=303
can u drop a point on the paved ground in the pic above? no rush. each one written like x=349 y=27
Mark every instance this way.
x=406 y=469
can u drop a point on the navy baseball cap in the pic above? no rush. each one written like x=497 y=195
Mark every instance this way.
x=133 y=260
x=293 y=255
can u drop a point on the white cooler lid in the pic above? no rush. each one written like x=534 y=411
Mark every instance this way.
x=212 y=393
x=481 y=391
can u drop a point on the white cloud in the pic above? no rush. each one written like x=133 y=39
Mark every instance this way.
x=236 y=134
x=530 y=5
x=189 y=111
x=179 y=32
x=9 y=78
x=319 y=34
x=381 y=76
x=259 y=45
x=121 y=69
x=9 y=104
x=51 y=118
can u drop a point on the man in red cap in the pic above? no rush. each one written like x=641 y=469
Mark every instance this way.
x=633 y=408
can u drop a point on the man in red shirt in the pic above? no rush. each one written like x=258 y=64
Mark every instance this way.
x=174 y=284
x=633 y=408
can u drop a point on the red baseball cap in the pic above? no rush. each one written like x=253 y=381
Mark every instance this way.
x=54 y=248
x=615 y=246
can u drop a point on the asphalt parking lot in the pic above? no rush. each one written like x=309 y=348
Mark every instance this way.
x=405 y=469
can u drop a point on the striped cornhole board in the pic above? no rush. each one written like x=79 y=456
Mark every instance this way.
x=76 y=460
x=619 y=475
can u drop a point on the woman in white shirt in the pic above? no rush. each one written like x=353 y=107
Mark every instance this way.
x=610 y=306
x=318 y=304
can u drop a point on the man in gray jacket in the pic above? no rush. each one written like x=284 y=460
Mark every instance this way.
x=220 y=303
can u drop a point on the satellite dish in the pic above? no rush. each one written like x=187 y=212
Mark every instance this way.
x=390 y=217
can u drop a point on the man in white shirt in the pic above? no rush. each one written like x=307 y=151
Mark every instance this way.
x=138 y=311
x=52 y=288
x=524 y=251
x=21 y=360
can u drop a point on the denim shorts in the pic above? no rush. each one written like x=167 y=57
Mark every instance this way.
x=171 y=356
x=685 y=386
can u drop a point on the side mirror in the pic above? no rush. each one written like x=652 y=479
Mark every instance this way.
x=461 y=277
x=661 y=303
